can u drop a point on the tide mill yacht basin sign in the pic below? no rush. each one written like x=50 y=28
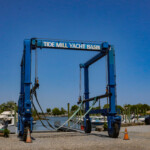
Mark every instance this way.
x=71 y=45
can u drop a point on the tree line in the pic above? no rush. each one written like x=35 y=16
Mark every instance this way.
x=61 y=111
x=9 y=106
x=137 y=108
x=140 y=108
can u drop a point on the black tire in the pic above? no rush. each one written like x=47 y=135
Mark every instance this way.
x=147 y=121
x=87 y=129
x=25 y=133
x=19 y=134
x=115 y=132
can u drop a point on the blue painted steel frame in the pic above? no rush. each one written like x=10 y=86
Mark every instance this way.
x=111 y=114
x=24 y=103
x=24 y=110
x=112 y=118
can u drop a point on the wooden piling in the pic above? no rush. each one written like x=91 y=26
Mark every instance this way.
x=68 y=114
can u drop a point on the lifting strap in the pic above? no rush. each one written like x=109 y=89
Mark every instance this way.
x=33 y=92
x=94 y=102
x=71 y=116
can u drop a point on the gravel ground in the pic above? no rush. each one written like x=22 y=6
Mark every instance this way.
x=139 y=140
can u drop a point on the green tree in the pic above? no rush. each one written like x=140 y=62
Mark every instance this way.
x=62 y=111
x=74 y=108
x=33 y=113
x=56 y=111
x=106 y=106
x=120 y=108
x=10 y=105
x=48 y=110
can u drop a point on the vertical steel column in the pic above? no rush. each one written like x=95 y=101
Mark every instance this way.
x=21 y=97
x=86 y=89
x=113 y=120
x=111 y=80
x=27 y=81
x=87 y=122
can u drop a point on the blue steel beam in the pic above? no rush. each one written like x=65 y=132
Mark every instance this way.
x=21 y=98
x=27 y=81
x=112 y=118
x=86 y=89
x=25 y=115
x=111 y=79
x=41 y=43
x=104 y=112
x=93 y=60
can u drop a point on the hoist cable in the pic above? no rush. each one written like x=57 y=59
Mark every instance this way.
x=36 y=65
x=31 y=97
x=38 y=115
x=80 y=84
x=42 y=109
x=79 y=108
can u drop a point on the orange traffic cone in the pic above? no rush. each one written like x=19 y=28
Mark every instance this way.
x=126 y=137
x=82 y=127
x=28 y=140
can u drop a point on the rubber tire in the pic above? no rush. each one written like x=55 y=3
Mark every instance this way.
x=87 y=129
x=147 y=121
x=25 y=133
x=19 y=134
x=115 y=132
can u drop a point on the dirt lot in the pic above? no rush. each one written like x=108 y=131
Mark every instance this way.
x=139 y=140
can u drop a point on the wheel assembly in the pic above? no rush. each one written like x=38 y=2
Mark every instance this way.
x=87 y=128
x=114 y=133
x=147 y=120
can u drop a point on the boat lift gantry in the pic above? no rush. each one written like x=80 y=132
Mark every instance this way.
x=104 y=49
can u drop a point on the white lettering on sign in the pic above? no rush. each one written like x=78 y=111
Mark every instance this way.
x=71 y=45
x=93 y=47
x=78 y=46
x=49 y=44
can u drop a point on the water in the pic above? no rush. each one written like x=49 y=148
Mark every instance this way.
x=38 y=126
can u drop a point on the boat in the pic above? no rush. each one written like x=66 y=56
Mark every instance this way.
x=133 y=119
x=98 y=120
x=95 y=120
x=34 y=122
x=9 y=117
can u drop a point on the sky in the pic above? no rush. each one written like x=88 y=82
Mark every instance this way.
x=122 y=23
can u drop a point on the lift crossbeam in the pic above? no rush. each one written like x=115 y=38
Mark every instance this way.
x=40 y=43
x=97 y=97
x=93 y=59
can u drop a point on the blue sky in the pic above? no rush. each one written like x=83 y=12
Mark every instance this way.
x=123 y=23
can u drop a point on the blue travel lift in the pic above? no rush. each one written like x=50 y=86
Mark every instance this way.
x=104 y=49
